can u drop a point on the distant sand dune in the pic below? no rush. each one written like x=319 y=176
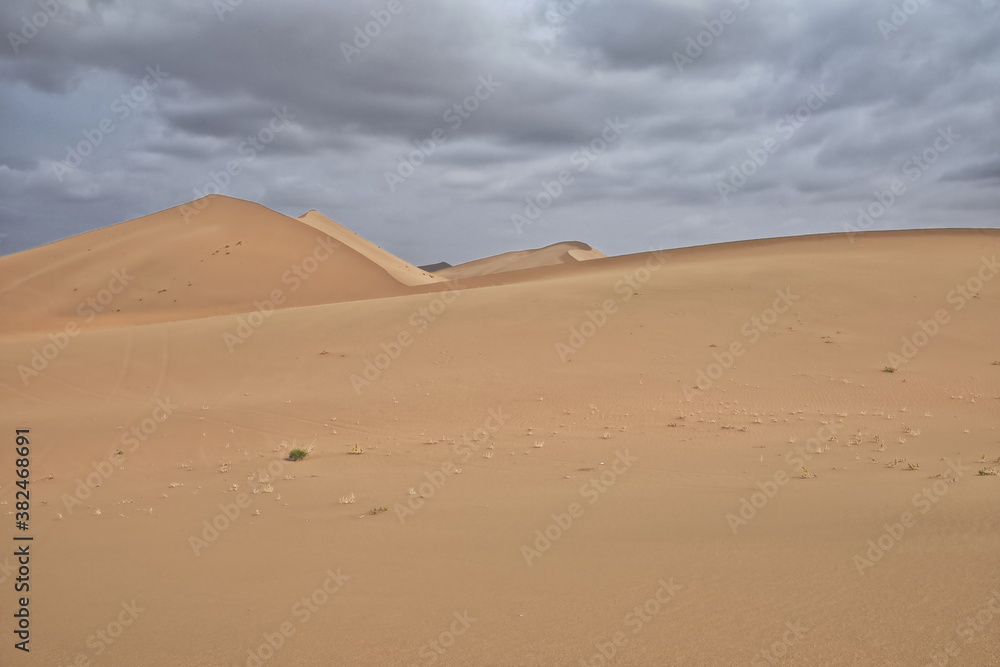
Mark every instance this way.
x=567 y=252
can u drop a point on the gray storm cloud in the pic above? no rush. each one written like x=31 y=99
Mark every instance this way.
x=393 y=133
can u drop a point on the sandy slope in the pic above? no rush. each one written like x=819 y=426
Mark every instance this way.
x=593 y=435
x=567 y=252
x=217 y=255
x=399 y=269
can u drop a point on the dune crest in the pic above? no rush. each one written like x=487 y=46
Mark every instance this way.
x=565 y=252
x=399 y=269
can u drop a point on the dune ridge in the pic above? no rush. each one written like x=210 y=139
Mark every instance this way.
x=403 y=271
x=565 y=252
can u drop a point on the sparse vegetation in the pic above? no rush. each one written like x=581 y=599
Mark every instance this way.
x=989 y=471
x=378 y=510
x=297 y=454
x=357 y=449
x=889 y=369
x=348 y=499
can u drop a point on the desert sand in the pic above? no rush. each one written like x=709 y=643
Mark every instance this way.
x=694 y=456
x=567 y=252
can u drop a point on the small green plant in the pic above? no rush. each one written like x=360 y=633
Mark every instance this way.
x=378 y=510
x=989 y=471
x=889 y=369
x=297 y=454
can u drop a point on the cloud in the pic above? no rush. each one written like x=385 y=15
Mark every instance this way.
x=702 y=87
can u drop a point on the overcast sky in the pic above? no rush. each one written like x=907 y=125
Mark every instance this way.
x=441 y=129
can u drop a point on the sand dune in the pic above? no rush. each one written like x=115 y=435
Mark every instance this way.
x=567 y=252
x=577 y=460
x=402 y=271
x=214 y=256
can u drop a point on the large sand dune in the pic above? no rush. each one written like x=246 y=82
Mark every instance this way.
x=596 y=458
x=216 y=255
